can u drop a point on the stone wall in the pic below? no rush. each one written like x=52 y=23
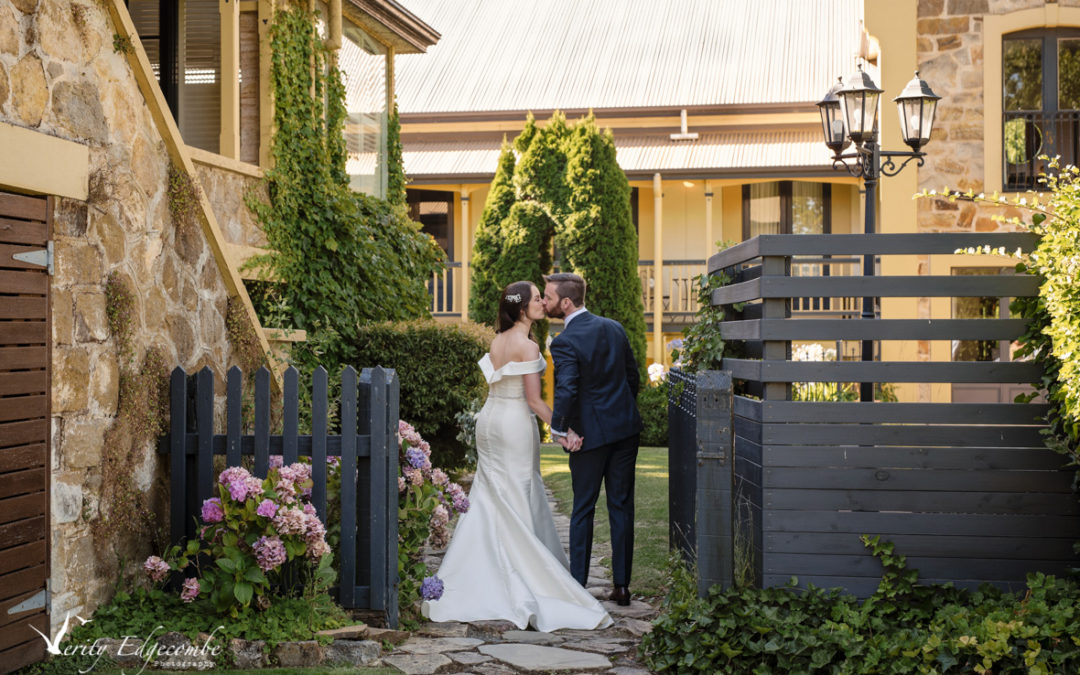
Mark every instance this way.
x=227 y=191
x=950 y=58
x=59 y=75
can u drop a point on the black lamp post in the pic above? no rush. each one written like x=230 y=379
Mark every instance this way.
x=849 y=116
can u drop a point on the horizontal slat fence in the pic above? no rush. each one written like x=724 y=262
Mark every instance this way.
x=967 y=491
x=366 y=445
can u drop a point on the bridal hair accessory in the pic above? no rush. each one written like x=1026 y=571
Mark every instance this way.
x=516 y=297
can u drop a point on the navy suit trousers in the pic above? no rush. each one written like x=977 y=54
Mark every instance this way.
x=614 y=466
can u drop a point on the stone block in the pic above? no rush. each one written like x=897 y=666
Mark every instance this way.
x=418 y=645
x=968 y=7
x=82 y=443
x=948 y=42
x=70 y=379
x=77 y=262
x=537 y=658
x=345 y=632
x=107 y=231
x=77 y=109
x=247 y=653
x=105 y=382
x=444 y=629
x=930 y=8
x=29 y=92
x=946 y=26
x=91 y=320
x=9 y=36
x=418 y=664
x=394 y=637
x=63 y=316
x=353 y=652
x=57 y=32
x=303 y=654
x=67 y=501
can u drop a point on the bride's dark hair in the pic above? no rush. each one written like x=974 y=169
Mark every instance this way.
x=512 y=302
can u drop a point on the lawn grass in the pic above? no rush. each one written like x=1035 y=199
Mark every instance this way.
x=650 y=512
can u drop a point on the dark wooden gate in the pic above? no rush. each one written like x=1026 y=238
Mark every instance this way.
x=25 y=225
x=366 y=445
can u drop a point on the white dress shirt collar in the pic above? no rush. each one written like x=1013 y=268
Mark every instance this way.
x=571 y=315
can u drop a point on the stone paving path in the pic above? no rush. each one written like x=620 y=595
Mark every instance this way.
x=499 y=648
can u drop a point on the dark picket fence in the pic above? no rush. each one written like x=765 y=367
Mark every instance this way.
x=967 y=491
x=366 y=445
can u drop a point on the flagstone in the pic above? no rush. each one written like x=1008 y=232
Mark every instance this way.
x=540 y=658
x=531 y=637
x=418 y=645
x=353 y=652
x=444 y=629
x=468 y=658
x=598 y=645
x=417 y=664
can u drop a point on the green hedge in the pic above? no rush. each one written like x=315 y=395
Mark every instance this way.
x=436 y=365
x=902 y=628
x=652 y=404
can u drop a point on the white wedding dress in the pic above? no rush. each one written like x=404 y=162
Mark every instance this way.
x=505 y=560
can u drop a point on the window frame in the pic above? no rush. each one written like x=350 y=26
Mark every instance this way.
x=786 y=208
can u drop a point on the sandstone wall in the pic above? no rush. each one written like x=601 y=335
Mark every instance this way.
x=950 y=57
x=227 y=191
x=59 y=75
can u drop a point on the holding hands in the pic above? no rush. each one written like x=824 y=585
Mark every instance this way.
x=570 y=441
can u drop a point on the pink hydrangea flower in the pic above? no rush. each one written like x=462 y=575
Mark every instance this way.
x=290 y=521
x=212 y=511
x=439 y=478
x=309 y=509
x=318 y=548
x=233 y=473
x=439 y=517
x=458 y=499
x=400 y=484
x=408 y=433
x=190 y=590
x=156 y=568
x=276 y=461
x=414 y=476
x=269 y=553
x=286 y=490
x=267 y=508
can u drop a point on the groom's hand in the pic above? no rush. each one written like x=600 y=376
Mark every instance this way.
x=573 y=441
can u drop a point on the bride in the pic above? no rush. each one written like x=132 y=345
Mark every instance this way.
x=505 y=560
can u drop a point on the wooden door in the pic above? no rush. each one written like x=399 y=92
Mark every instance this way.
x=25 y=337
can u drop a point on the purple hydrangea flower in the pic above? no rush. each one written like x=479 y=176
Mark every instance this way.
x=417 y=458
x=212 y=511
x=267 y=508
x=431 y=588
x=190 y=590
x=270 y=553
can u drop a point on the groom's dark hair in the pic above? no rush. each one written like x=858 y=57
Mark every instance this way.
x=568 y=285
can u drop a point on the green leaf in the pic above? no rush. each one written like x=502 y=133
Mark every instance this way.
x=243 y=592
x=226 y=564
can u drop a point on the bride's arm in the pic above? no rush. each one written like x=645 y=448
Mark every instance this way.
x=532 y=396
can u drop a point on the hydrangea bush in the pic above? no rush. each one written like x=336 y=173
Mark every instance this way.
x=258 y=538
x=426 y=500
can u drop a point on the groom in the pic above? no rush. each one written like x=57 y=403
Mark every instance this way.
x=596 y=385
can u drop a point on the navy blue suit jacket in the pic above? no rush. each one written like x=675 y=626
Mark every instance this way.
x=596 y=381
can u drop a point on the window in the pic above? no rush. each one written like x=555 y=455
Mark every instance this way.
x=183 y=43
x=787 y=207
x=1040 y=102
x=362 y=60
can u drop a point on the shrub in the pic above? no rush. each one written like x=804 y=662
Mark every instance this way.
x=652 y=404
x=902 y=628
x=436 y=365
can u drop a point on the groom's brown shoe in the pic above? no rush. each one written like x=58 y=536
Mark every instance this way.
x=621 y=596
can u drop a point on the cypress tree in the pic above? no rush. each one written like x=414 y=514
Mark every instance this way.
x=488 y=246
x=598 y=239
x=526 y=253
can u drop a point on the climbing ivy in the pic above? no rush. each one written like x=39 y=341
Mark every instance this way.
x=395 y=165
x=341 y=258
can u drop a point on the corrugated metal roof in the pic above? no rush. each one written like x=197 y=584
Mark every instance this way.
x=742 y=151
x=575 y=54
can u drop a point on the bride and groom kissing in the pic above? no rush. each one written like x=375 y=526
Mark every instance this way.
x=505 y=560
